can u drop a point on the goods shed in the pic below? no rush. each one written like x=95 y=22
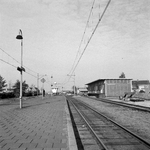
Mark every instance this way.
x=109 y=87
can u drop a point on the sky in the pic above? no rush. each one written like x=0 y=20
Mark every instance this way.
x=53 y=30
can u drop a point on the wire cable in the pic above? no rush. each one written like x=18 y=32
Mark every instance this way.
x=31 y=74
x=81 y=41
x=15 y=59
x=91 y=35
x=9 y=55
x=16 y=67
x=83 y=35
x=8 y=63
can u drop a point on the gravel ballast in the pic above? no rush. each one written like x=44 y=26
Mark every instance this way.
x=135 y=120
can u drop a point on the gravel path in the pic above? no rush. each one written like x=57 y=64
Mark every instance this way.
x=137 y=121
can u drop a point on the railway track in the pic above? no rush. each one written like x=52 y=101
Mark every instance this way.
x=138 y=107
x=98 y=132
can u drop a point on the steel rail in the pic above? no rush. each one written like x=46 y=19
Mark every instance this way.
x=93 y=132
x=142 y=108
x=127 y=130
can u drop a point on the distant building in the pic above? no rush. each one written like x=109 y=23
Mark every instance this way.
x=82 y=91
x=54 y=91
x=141 y=85
x=109 y=87
x=66 y=91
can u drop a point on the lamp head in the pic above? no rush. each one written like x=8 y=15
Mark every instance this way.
x=19 y=37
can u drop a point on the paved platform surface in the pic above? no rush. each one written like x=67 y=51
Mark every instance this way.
x=42 y=124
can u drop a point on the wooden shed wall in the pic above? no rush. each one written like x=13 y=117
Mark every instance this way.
x=115 y=88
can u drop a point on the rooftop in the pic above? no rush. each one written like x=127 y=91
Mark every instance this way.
x=140 y=82
x=107 y=79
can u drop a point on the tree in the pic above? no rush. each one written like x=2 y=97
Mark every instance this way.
x=17 y=88
x=2 y=83
x=37 y=91
x=34 y=90
x=122 y=75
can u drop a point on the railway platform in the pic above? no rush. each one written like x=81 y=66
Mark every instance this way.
x=145 y=103
x=42 y=124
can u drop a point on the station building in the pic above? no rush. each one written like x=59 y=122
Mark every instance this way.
x=109 y=87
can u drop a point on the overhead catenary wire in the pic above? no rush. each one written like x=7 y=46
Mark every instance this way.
x=87 y=23
x=16 y=67
x=26 y=68
x=91 y=37
x=9 y=55
x=8 y=63
x=31 y=74
x=83 y=35
x=16 y=60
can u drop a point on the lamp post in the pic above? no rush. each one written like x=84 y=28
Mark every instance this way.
x=20 y=37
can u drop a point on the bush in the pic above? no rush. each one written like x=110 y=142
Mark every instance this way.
x=27 y=94
x=7 y=95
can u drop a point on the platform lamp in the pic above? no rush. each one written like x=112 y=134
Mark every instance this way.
x=20 y=37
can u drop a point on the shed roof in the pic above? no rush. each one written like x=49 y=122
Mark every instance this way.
x=83 y=90
x=140 y=82
x=107 y=79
